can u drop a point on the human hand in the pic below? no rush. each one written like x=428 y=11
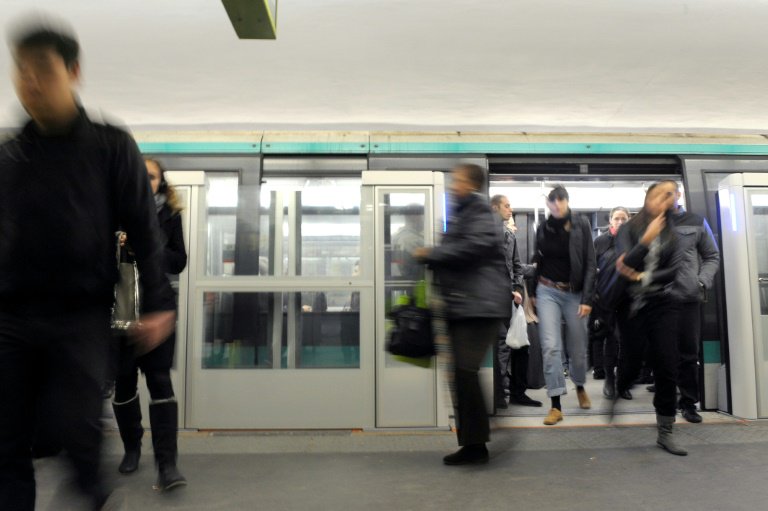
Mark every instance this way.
x=654 y=229
x=584 y=310
x=517 y=297
x=152 y=330
x=421 y=253
x=626 y=271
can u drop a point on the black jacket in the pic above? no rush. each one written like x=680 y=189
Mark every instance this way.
x=61 y=200
x=512 y=259
x=469 y=263
x=582 y=256
x=174 y=254
x=659 y=282
x=608 y=289
x=701 y=258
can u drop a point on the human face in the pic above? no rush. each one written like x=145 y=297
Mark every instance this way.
x=662 y=198
x=504 y=209
x=154 y=174
x=461 y=186
x=45 y=85
x=618 y=219
x=558 y=207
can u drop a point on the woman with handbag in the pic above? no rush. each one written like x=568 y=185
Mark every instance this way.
x=564 y=285
x=156 y=365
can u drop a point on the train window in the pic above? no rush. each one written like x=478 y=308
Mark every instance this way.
x=243 y=329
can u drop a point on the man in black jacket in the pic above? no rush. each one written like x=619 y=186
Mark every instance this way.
x=470 y=268
x=66 y=185
x=700 y=262
x=507 y=359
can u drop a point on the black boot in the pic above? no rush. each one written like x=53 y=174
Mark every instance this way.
x=164 y=419
x=609 y=386
x=467 y=455
x=128 y=417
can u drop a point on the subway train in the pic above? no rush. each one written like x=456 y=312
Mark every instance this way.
x=293 y=262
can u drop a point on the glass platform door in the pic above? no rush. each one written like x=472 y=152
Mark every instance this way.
x=406 y=395
x=756 y=200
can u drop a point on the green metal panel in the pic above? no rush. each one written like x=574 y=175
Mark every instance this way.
x=200 y=147
x=566 y=148
x=253 y=19
x=711 y=352
x=362 y=147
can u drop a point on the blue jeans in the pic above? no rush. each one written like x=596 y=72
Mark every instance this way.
x=553 y=306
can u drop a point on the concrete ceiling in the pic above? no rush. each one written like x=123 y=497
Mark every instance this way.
x=503 y=65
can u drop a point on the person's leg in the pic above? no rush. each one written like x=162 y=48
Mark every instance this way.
x=127 y=408
x=550 y=336
x=470 y=340
x=611 y=355
x=664 y=358
x=163 y=418
x=688 y=345
x=519 y=380
x=576 y=342
x=633 y=338
x=17 y=397
x=501 y=366
x=74 y=396
x=597 y=333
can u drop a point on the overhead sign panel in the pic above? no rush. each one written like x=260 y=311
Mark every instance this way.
x=253 y=19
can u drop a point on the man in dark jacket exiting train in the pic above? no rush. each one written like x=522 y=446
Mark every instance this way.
x=700 y=262
x=470 y=269
x=508 y=360
x=66 y=185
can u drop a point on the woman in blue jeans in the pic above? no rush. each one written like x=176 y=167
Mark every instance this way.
x=564 y=288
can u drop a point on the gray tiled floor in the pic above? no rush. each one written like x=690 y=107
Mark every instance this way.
x=585 y=468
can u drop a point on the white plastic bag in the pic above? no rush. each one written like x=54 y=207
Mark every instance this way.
x=517 y=335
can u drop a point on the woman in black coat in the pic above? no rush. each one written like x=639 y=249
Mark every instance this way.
x=156 y=365
x=649 y=261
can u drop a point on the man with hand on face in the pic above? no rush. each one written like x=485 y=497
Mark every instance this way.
x=67 y=184
x=516 y=361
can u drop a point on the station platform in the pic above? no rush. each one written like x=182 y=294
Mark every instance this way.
x=572 y=467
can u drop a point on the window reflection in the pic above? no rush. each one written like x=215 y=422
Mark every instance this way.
x=253 y=233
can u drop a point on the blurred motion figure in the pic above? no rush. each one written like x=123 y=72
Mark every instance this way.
x=66 y=185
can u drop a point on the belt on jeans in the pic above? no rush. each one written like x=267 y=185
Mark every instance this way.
x=562 y=286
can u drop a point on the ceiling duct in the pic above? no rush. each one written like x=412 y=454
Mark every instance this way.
x=253 y=19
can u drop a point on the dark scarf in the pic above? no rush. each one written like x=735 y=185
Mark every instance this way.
x=160 y=200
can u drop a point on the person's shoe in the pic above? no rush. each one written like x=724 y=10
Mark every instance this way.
x=501 y=404
x=691 y=415
x=553 y=417
x=169 y=478
x=130 y=463
x=651 y=388
x=524 y=400
x=666 y=440
x=598 y=374
x=625 y=394
x=468 y=455
x=584 y=401
x=609 y=390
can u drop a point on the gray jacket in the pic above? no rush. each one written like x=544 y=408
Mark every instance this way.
x=512 y=258
x=469 y=263
x=700 y=257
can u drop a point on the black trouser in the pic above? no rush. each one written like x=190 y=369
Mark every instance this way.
x=688 y=343
x=603 y=339
x=470 y=340
x=158 y=383
x=511 y=370
x=51 y=373
x=655 y=326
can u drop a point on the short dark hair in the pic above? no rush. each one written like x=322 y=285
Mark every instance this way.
x=496 y=200
x=47 y=33
x=474 y=173
x=558 y=192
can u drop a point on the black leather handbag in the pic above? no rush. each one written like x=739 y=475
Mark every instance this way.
x=125 y=311
x=411 y=335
